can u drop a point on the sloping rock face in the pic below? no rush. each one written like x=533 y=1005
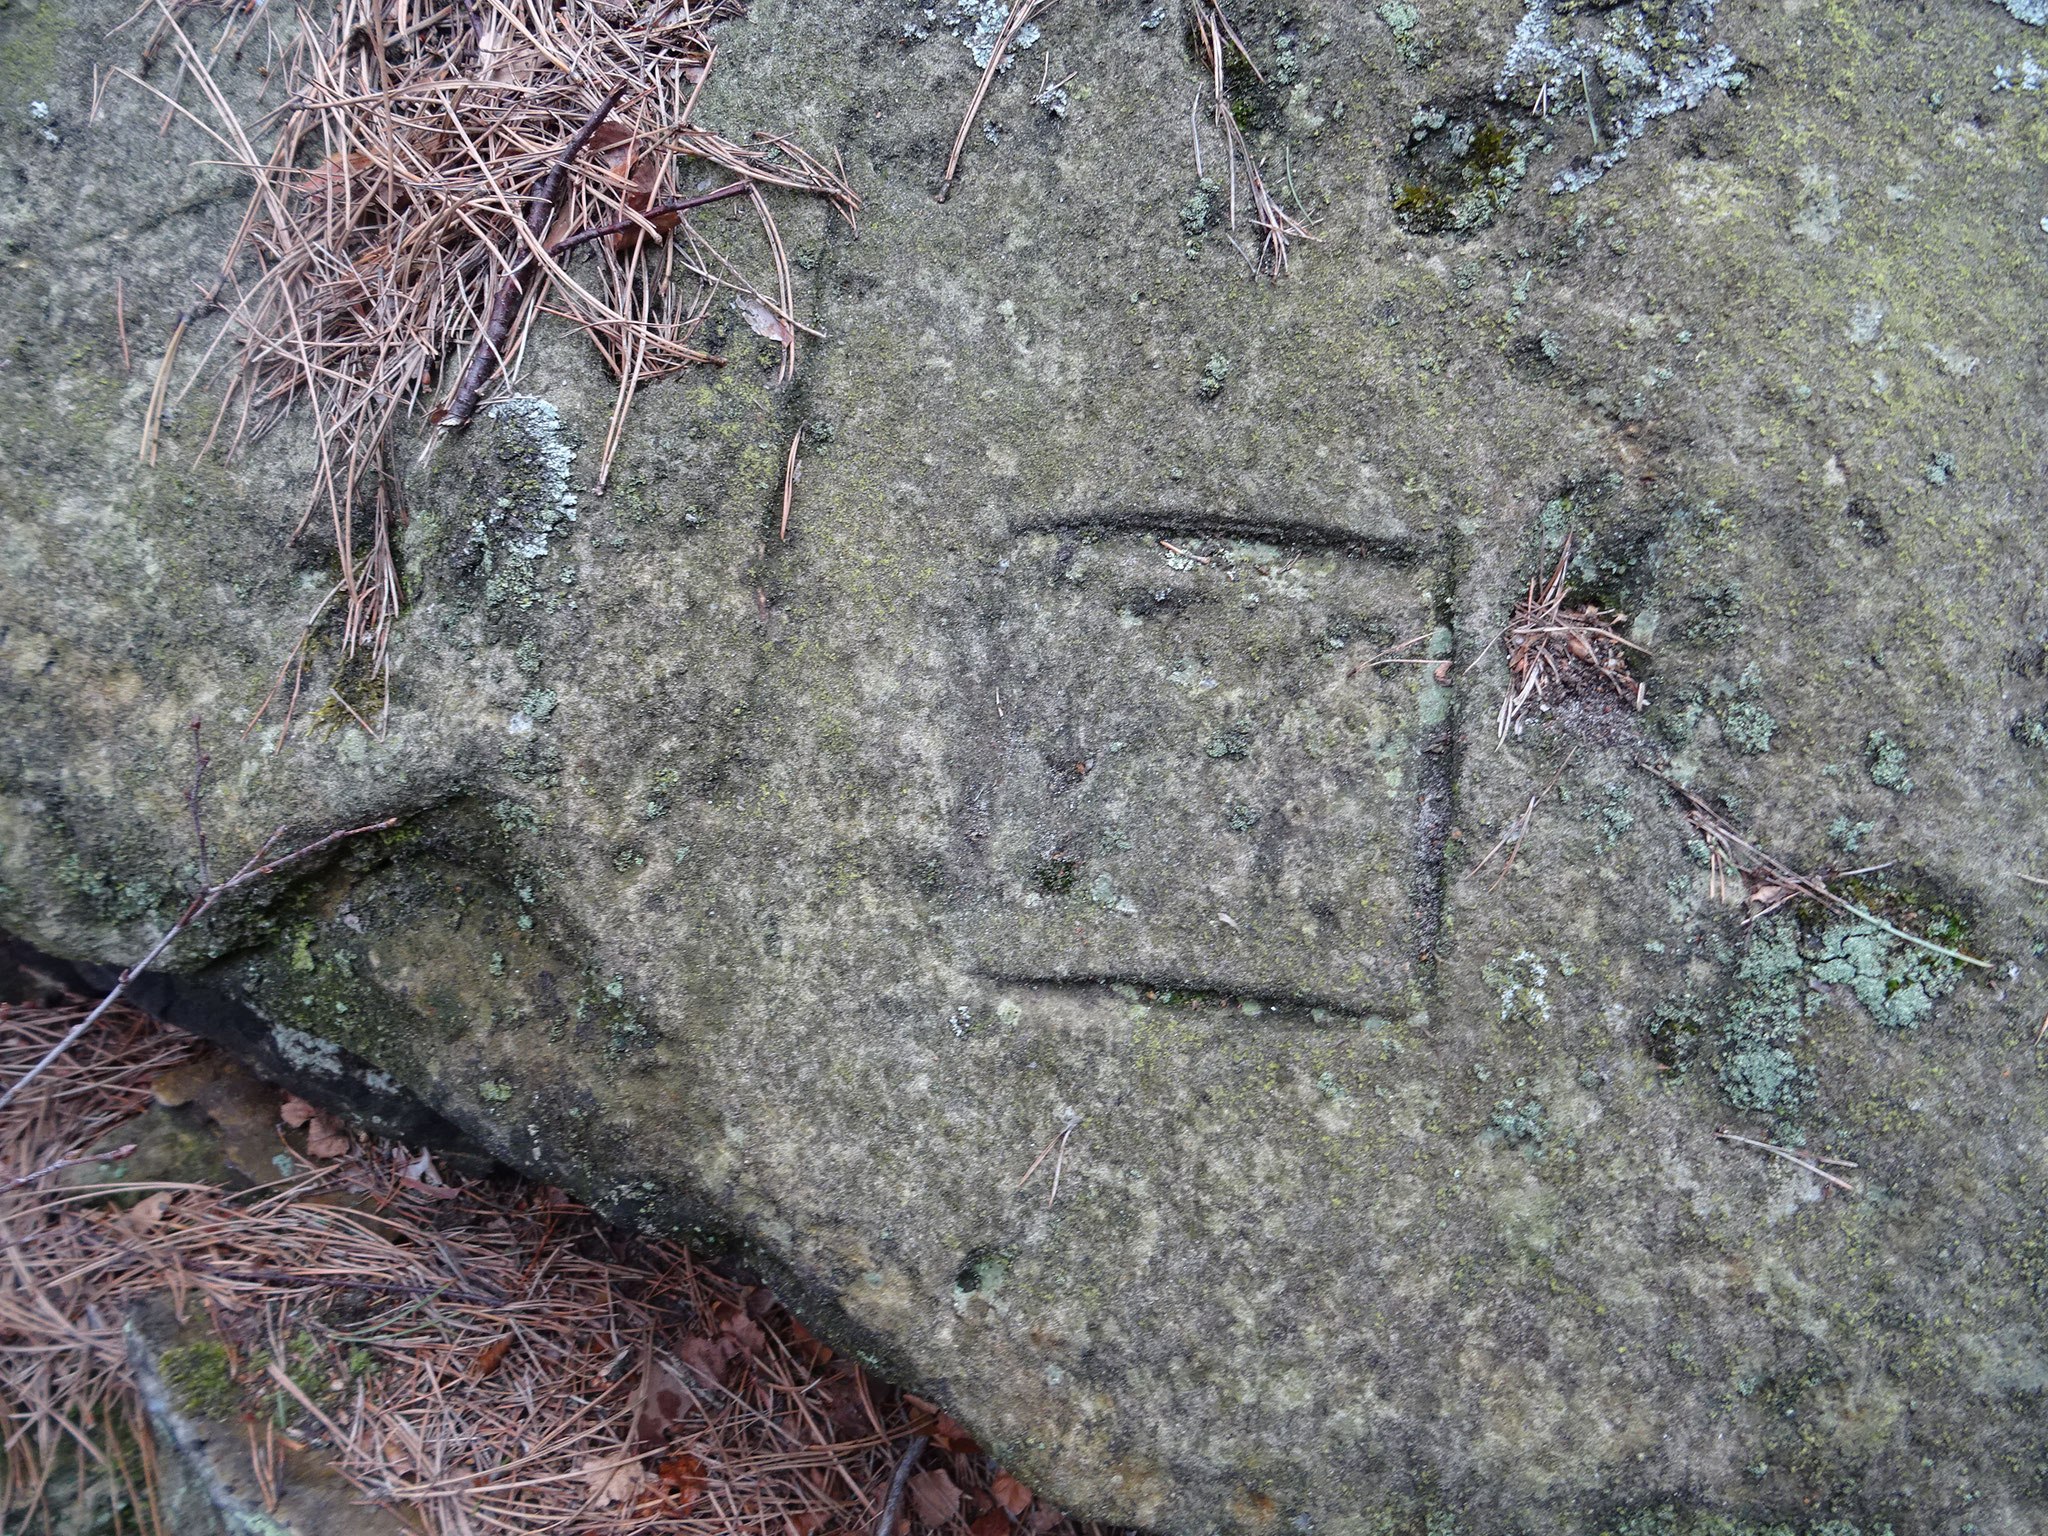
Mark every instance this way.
x=797 y=894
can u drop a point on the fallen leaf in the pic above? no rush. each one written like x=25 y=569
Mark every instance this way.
x=665 y=1396
x=763 y=321
x=684 y=1474
x=951 y=1433
x=422 y=1169
x=806 y=1522
x=1044 y=1518
x=326 y=1137
x=147 y=1212
x=710 y=1358
x=994 y=1523
x=935 y=1496
x=296 y=1111
x=807 y=1344
x=744 y=1332
x=610 y=1482
x=1010 y=1493
x=492 y=1357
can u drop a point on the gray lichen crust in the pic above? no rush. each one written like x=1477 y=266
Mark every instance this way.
x=1106 y=750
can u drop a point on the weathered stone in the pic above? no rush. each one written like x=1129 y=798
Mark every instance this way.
x=798 y=894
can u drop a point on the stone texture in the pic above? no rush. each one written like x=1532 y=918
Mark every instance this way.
x=795 y=895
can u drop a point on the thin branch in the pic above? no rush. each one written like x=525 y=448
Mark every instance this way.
x=886 y=1526
x=200 y=905
x=1792 y=1157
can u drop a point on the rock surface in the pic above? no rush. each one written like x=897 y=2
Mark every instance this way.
x=797 y=894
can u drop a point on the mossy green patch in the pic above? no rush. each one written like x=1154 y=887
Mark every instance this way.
x=201 y=1380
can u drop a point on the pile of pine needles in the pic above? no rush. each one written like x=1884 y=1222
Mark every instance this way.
x=481 y=1355
x=439 y=173
x=1557 y=650
x=66 y=1398
x=1277 y=226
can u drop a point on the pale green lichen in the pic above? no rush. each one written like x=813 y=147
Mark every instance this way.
x=1401 y=19
x=1764 y=1021
x=1897 y=982
x=1888 y=763
x=1748 y=727
x=1652 y=59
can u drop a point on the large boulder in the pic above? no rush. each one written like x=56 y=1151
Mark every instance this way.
x=797 y=895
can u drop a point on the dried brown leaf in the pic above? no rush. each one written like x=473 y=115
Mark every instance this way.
x=609 y=1480
x=935 y=1496
x=295 y=1111
x=492 y=1357
x=1010 y=1493
x=684 y=1474
x=326 y=1137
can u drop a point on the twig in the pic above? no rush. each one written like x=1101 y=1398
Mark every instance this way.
x=1792 y=1157
x=1039 y=1159
x=200 y=905
x=643 y=219
x=1398 y=645
x=886 y=1526
x=345 y=1283
x=790 y=471
x=199 y=764
x=1060 y=1162
x=1770 y=884
x=1187 y=554
x=512 y=288
x=2030 y=879
x=1518 y=829
x=68 y=1162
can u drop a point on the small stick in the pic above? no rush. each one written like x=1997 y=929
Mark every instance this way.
x=121 y=325
x=343 y=1282
x=199 y=765
x=790 y=471
x=1398 y=645
x=894 y=1507
x=645 y=218
x=1793 y=1157
x=283 y=1380
x=2031 y=879
x=490 y=347
x=1194 y=129
x=1048 y=1146
x=68 y=1162
x=200 y=905
x=2042 y=1033
x=1518 y=829
x=1185 y=553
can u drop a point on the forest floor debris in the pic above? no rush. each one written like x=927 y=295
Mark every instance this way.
x=479 y=1354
